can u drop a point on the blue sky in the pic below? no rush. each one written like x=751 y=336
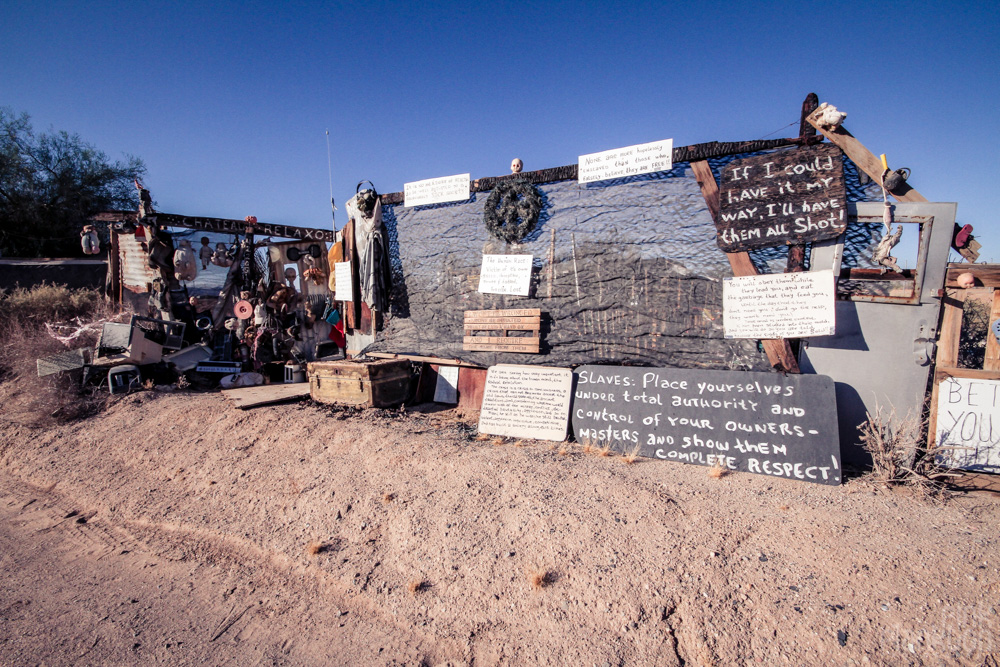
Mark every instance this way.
x=228 y=103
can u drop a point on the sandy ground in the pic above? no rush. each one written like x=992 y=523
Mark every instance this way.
x=175 y=529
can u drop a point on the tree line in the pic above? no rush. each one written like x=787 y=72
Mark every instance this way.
x=51 y=183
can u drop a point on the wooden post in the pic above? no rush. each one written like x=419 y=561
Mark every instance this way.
x=992 y=360
x=778 y=351
x=797 y=253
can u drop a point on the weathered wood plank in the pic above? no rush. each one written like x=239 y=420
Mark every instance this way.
x=861 y=156
x=251 y=397
x=568 y=172
x=991 y=361
x=987 y=275
x=415 y=357
x=951 y=329
x=503 y=323
x=490 y=340
x=510 y=347
x=515 y=312
x=223 y=225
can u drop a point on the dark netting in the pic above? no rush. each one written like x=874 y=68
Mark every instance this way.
x=626 y=271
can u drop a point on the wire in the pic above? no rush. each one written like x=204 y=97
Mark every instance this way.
x=779 y=129
x=329 y=169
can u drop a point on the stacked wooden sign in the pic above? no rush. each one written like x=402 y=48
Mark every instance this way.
x=501 y=322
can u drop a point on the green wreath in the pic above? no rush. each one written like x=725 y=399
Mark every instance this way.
x=512 y=210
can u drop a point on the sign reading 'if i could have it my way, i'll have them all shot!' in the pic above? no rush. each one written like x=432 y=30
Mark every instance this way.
x=764 y=423
x=785 y=198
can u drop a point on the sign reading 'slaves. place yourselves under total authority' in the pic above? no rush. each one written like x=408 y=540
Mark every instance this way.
x=765 y=423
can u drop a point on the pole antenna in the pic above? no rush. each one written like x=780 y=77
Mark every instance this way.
x=329 y=168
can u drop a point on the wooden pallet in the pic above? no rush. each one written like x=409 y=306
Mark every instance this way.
x=501 y=322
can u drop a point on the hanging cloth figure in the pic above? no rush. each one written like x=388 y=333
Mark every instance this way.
x=365 y=208
x=881 y=255
x=89 y=240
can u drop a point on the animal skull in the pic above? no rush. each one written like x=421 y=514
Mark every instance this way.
x=516 y=166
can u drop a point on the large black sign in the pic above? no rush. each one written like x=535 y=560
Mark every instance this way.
x=788 y=197
x=765 y=423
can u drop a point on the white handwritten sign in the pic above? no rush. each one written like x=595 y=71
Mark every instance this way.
x=436 y=190
x=526 y=402
x=968 y=424
x=505 y=274
x=345 y=282
x=782 y=305
x=621 y=162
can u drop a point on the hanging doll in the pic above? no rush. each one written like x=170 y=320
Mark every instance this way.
x=89 y=240
x=221 y=256
x=365 y=208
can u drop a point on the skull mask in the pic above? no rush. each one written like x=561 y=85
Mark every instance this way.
x=516 y=166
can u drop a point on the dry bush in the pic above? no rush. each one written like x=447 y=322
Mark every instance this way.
x=717 y=471
x=24 y=338
x=483 y=436
x=388 y=498
x=539 y=578
x=898 y=455
x=315 y=548
x=630 y=456
x=416 y=586
x=564 y=449
x=588 y=446
x=497 y=441
x=604 y=450
x=520 y=443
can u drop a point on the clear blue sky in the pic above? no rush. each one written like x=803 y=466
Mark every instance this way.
x=228 y=103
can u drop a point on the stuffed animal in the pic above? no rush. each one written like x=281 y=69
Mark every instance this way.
x=185 y=263
x=830 y=116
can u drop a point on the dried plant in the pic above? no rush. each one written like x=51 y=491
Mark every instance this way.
x=630 y=456
x=539 y=578
x=898 y=455
x=564 y=449
x=604 y=450
x=717 y=470
x=182 y=382
x=482 y=436
x=497 y=441
x=315 y=548
x=588 y=446
x=388 y=498
x=416 y=586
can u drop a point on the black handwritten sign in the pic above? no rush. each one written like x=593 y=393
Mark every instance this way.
x=784 y=426
x=784 y=198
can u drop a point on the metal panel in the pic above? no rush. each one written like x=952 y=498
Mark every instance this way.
x=881 y=352
x=136 y=272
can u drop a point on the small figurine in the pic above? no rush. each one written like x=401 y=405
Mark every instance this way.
x=205 y=253
x=516 y=166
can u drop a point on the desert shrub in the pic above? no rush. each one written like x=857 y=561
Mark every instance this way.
x=24 y=338
x=899 y=457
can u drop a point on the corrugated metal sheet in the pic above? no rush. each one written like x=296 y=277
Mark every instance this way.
x=136 y=272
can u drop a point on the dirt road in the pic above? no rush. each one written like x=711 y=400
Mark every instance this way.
x=176 y=529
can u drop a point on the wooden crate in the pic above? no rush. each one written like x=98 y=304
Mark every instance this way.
x=380 y=383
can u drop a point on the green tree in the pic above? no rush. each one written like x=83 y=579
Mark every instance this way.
x=51 y=183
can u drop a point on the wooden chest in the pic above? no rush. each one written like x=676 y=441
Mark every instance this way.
x=381 y=383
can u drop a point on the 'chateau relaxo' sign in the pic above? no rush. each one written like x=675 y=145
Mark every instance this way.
x=784 y=198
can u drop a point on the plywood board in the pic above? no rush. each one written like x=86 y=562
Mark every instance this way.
x=251 y=397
